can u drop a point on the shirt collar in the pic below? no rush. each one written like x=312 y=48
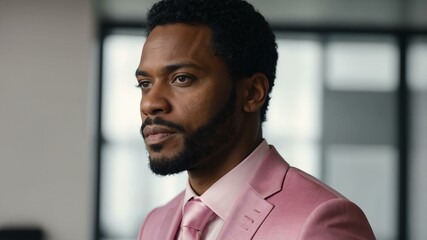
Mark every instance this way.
x=221 y=196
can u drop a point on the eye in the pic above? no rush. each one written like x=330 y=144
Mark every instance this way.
x=144 y=84
x=183 y=80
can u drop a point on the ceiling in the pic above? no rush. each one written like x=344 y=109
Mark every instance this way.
x=383 y=13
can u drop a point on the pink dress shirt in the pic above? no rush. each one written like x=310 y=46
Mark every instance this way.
x=221 y=196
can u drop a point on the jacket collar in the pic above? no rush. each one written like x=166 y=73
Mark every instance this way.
x=269 y=177
x=251 y=208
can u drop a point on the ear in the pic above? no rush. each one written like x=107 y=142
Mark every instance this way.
x=256 y=90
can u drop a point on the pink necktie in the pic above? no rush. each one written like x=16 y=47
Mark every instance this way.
x=196 y=216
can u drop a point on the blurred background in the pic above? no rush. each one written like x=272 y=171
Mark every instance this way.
x=349 y=106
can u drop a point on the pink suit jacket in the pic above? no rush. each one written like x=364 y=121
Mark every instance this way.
x=280 y=202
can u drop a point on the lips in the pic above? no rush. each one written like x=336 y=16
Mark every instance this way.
x=157 y=134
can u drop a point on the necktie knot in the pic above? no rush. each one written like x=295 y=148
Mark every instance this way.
x=196 y=216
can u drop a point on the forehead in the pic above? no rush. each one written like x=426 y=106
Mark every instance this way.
x=174 y=42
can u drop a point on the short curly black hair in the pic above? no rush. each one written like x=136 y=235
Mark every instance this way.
x=241 y=36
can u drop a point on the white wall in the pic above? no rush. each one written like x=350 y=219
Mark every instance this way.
x=46 y=163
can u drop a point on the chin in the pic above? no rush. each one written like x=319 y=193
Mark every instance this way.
x=170 y=162
x=164 y=166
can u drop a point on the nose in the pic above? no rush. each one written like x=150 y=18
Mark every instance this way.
x=155 y=102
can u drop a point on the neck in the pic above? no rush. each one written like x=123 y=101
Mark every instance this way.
x=201 y=178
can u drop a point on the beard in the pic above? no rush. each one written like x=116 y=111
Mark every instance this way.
x=199 y=145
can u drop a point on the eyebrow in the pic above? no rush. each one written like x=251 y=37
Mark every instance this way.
x=170 y=68
x=141 y=73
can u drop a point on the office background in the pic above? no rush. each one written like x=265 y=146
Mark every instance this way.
x=61 y=163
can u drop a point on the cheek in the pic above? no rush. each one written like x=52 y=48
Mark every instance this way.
x=142 y=116
x=198 y=111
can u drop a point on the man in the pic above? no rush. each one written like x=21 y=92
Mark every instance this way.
x=205 y=74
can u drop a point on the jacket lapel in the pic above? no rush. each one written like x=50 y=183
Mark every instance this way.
x=248 y=213
x=172 y=221
x=251 y=208
x=269 y=177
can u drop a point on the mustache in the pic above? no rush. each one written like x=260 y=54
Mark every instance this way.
x=160 y=122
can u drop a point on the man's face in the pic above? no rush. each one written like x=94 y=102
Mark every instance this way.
x=188 y=99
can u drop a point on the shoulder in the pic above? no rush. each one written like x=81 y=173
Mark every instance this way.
x=303 y=183
x=329 y=215
x=336 y=219
x=316 y=211
x=300 y=194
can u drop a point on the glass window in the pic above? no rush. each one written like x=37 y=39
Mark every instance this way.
x=367 y=176
x=120 y=103
x=417 y=81
x=417 y=64
x=294 y=116
x=360 y=125
x=361 y=63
